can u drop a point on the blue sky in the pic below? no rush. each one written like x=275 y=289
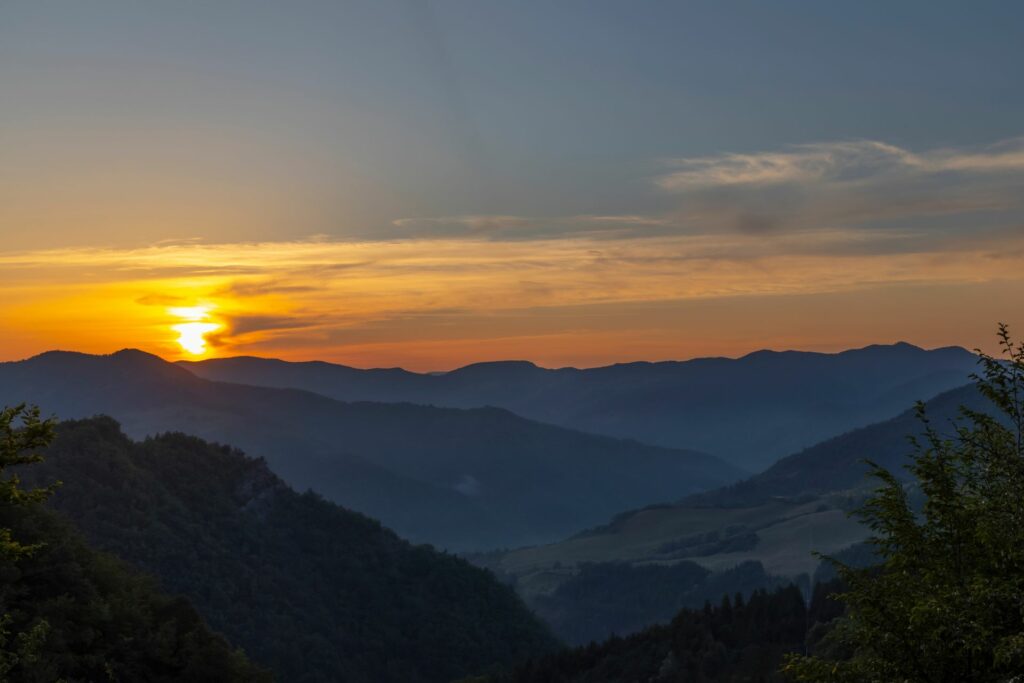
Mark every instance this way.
x=388 y=109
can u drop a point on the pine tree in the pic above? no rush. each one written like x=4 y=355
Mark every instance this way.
x=22 y=434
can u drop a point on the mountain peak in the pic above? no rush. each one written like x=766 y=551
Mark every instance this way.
x=134 y=362
x=137 y=355
x=495 y=367
x=896 y=346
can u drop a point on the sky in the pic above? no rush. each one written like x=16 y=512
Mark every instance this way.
x=430 y=184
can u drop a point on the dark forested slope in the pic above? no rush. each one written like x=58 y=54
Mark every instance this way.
x=736 y=641
x=70 y=613
x=311 y=590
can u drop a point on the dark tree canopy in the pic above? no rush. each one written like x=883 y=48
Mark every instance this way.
x=945 y=604
x=309 y=589
x=736 y=640
x=71 y=613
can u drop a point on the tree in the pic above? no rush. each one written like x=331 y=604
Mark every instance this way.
x=22 y=434
x=945 y=603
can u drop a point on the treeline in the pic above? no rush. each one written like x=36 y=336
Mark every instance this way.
x=736 y=640
x=608 y=598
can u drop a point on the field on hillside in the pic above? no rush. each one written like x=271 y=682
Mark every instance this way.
x=782 y=535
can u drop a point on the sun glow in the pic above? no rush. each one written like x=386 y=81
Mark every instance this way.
x=192 y=333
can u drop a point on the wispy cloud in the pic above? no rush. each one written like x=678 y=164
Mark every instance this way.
x=841 y=162
x=815 y=220
x=866 y=185
x=510 y=228
x=287 y=294
x=824 y=186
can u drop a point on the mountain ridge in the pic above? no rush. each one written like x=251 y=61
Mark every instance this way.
x=781 y=400
x=459 y=478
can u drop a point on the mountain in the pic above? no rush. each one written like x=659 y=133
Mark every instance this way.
x=837 y=464
x=312 y=591
x=773 y=520
x=462 y=479
x=750 y=410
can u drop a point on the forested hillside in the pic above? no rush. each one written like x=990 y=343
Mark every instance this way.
x=310 y=590
x=70 y=613
x=731 y=641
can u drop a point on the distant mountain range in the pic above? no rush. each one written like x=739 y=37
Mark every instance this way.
x=312 y=591
x=751 y=410
x=837 y=464
x=462 y=479
x=775 y=519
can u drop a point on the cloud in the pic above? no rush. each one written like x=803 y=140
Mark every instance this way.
x=241 y=329
x=247 y=289
x=866 y=185
x=862 y=184
x=462 y=225
x=160 y=300
x=840 y=162
x=400 y=296
x=510 y=228
x=824 y=218
x=802 y=164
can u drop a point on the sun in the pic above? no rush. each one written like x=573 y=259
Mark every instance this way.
x=192 y=333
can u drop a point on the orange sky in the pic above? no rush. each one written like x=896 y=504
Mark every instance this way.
x=422 y=185
x=823 y=246
x=439 y=303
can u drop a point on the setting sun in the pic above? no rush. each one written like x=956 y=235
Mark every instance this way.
x=192 y=333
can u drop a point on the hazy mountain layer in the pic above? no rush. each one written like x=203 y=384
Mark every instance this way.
x=776 y=518
x=311 y=590
x=838 y=463
x=751 y=410
x=482 y=478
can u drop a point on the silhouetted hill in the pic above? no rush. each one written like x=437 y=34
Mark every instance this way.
x=309 y=589
x=751 y=410
x=479 y=478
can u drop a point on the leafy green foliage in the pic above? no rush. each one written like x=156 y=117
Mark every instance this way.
x=71 y=613
x=311 y=590
x=23 y=434
x=946 y=601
